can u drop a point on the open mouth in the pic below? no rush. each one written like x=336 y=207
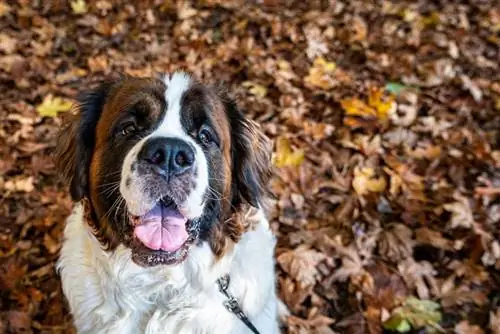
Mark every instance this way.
x=162 y=235
x=163 y=227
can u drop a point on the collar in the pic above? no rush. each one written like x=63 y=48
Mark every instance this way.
x=231 y=303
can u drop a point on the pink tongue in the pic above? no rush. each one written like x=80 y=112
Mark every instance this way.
x=162 y=228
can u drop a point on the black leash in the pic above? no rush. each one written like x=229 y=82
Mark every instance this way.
x=231 y=304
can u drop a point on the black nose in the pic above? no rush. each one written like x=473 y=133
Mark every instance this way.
x=169 y=156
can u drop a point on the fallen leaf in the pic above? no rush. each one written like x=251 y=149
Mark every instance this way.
x=364 y=181
x=79 y=7
x=51 y=106
x=461 y=212
x=285 y=156
x=321 y=74
x=20 y=184
x=255 y=88
x=7 y=44
x=463 y=327
x=414 y=313
x=376 y=110
x=4 y=9
x=301 y=263
x=495 y=321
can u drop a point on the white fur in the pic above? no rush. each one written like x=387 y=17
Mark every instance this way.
x=108 y=293
x=169 y=127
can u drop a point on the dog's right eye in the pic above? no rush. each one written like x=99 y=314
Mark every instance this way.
x=128 y=129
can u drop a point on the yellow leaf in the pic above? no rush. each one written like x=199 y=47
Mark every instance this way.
x=355 y=107
x=365 y=181
x=320 y=74
x=255 y=88
x=285 y=156
x=51 y=106
x=377 y=108
x=79 y=7
x=376 y=100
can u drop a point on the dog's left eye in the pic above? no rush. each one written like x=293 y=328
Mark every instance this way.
x=128 y=129
x=205 y=135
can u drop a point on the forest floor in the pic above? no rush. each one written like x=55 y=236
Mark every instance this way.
x=386 y=121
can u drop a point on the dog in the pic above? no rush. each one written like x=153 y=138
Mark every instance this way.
x=168 y=232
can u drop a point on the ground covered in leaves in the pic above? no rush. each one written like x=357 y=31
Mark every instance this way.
x=386 y=121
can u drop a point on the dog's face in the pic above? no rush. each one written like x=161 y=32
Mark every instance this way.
x=162 y=163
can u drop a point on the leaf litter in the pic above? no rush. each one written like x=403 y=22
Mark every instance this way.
x=385 y=118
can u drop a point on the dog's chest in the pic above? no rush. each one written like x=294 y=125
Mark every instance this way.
x=109 y=294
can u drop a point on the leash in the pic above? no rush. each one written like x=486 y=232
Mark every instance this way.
x=232 y=305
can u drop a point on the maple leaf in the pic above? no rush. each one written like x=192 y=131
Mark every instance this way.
x=79 y=7
x=51 y=106
x=364 y=181
x=375 y=110
x=320 y=74
x=396 y=242
x=285 y=156
x=301 y=264
x=414 y=313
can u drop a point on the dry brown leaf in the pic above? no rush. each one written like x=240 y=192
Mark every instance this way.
x=20 y=184
x=7 y=43
x=463 y=327
x=4 y=9
x=301 y=263
x=419 y=276
x=461 y=212
x=396 y=242
x=426 y=236
x=495 y=321
x=318 y=131
x=98 y=63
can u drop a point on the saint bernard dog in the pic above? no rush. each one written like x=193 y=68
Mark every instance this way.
x=168 y=232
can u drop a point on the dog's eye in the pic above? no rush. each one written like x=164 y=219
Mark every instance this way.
x=128 y=129
x=205 y=136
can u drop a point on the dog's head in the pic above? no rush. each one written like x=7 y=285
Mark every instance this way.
x=162 y=163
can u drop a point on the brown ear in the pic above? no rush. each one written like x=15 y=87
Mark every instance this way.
x=251 y=158
x=77 y=139
x=65 y=154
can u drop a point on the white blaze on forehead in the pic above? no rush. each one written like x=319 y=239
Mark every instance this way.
x=171 y=125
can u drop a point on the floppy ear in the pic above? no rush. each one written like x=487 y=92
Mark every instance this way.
x=77 y=139
x=251 y=158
